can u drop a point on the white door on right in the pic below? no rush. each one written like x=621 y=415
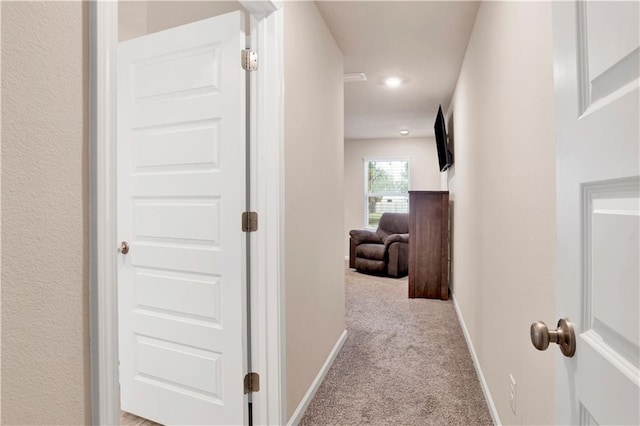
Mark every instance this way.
x=596 y=73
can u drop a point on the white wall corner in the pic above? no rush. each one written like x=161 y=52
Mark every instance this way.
x=315 y=385
x=476 y=363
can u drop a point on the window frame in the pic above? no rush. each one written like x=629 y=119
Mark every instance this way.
x=367 y=194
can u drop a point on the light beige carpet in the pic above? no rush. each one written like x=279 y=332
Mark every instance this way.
x=405 y=362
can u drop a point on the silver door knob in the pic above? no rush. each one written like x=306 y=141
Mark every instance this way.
x=124 y=247
x=564 y=336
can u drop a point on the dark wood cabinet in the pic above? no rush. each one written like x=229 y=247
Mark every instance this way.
x=429 y=244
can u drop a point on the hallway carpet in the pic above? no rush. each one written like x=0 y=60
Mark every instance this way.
x=405 y=362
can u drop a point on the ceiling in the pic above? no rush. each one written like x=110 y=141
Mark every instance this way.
x=421 y=42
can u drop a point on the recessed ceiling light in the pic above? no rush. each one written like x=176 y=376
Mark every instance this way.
x=393 y=82
x=358 y=76
x=404 y=132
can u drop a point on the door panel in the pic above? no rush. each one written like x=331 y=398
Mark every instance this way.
x=179 y=293
x=596 y=47
x=609 y=358
x=608 y=55
x=181 y=193
x=187 y=146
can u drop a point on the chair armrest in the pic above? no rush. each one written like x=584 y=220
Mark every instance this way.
x=364 y=237
x=398 y=265
x=395 y=238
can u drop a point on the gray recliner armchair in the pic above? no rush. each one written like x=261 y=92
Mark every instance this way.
x=384 y=252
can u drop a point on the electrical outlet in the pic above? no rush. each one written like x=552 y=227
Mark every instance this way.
x=512 y=393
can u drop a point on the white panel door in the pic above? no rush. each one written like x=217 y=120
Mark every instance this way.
x=597 y=70
x=181 y=193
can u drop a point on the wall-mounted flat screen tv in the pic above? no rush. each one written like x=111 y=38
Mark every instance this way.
x=445 y=159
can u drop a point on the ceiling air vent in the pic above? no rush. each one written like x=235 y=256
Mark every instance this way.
x=352 y=78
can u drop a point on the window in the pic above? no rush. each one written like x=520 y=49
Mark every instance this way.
x=386 y=189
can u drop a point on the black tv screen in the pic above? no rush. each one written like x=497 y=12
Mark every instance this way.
x=444 y=155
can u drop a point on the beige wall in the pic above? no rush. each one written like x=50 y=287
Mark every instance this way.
x=423 y=171
x=45 y=326
x=137 y=18
x=314 y=191
x=503 y=189
x=132 y=19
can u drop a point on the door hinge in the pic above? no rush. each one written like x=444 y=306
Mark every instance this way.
x=251 y=383
x=249 y=60
x=249 y=222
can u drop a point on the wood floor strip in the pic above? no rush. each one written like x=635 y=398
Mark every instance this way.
x=128 y=419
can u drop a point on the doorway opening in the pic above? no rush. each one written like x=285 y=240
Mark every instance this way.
x=168 y=329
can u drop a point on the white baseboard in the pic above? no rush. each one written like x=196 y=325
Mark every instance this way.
x=476 y=363
x=302 y=407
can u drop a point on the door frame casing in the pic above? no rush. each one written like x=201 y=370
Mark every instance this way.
x=267 y=197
